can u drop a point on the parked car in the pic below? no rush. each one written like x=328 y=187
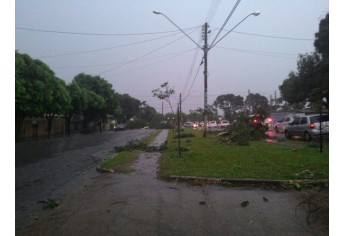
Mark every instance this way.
x=212 y=124
x=120 y=127
x=308 y=127
x=281 y=124
x=272 y=120
x=224 y=124
x=195 y=125
x=188 y=124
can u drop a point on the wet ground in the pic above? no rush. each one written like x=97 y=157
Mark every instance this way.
x=139 y=204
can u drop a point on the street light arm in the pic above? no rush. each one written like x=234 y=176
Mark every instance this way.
x=254 y=14
x=159 y=13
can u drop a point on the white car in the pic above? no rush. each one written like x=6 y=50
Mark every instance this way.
x=224 y=124
x=212 y=124
x=188 y=124
x=282 y=124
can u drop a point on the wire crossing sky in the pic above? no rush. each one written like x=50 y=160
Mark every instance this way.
x=136 y=50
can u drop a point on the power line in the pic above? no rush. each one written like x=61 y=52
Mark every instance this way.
x=152 y=64
x=191 y=68
x=136 y=59
x=212 y=10
x=188 y=94
x=167 y=56
x=108 y=48
x=226 y=21
x=263 y=53
x=97 y=34
x=270 y=36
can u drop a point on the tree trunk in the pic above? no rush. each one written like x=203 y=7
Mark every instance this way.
x=50 y=122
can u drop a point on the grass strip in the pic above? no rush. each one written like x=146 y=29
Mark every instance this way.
x=260 y=160
x=121 y=162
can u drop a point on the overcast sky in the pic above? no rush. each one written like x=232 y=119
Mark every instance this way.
x=136 y=50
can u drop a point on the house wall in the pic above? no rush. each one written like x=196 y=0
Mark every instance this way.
x=38 y=128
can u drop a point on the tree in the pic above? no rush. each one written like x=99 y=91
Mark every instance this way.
x=129 y=107
x=257 y=102
x=311 y=81
x=229 y=103
x=38 y=91
x=101 y=98
x=164 y=93
x=195 y=115
x=57 y=101
x=79 y=102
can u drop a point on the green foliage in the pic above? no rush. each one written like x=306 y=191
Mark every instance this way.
x=242 y=132
x=123 y=157
x=257 y=102
x=185 y=135
x=49 y=203
x=121 y=162
x=229 y=103
x=311 y=81
x=164 y=93
x=38 y=91
x=129 y=107
x=99 y=95
x=137 y=144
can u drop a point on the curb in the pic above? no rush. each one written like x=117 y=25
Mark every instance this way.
x=246 y=181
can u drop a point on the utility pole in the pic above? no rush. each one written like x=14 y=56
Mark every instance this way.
x=205 y=48
x=179 y=126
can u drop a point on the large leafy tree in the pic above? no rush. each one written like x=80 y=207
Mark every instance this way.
x=311 y=81
x=57 y=101
x=257 y=102
x=229 y=103
x=101 y=98
x=38 y=92
x=79 y=102
x=129 y=107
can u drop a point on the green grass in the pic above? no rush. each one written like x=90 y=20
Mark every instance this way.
x=122 y=162
x=259 y=160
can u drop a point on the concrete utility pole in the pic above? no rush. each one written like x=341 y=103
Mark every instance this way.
x=205 y=48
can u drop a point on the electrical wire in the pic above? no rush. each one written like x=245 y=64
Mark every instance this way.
x=136 y=59
x=153 y=64
x=97 y=34
x=108 y=48
x=196 y=74
x=225 y=22
x=191 y=67
x=212 y=10
x=168 y=56
x=269 y=36
x=263 y=53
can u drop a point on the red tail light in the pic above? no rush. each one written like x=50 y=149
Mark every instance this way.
x=312 y=126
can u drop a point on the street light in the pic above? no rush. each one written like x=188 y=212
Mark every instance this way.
x=251 y=14
x=205 y=49
x=160 y=13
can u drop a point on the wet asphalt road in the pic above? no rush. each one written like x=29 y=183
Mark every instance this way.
x=56 y=168
x=139 y=204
